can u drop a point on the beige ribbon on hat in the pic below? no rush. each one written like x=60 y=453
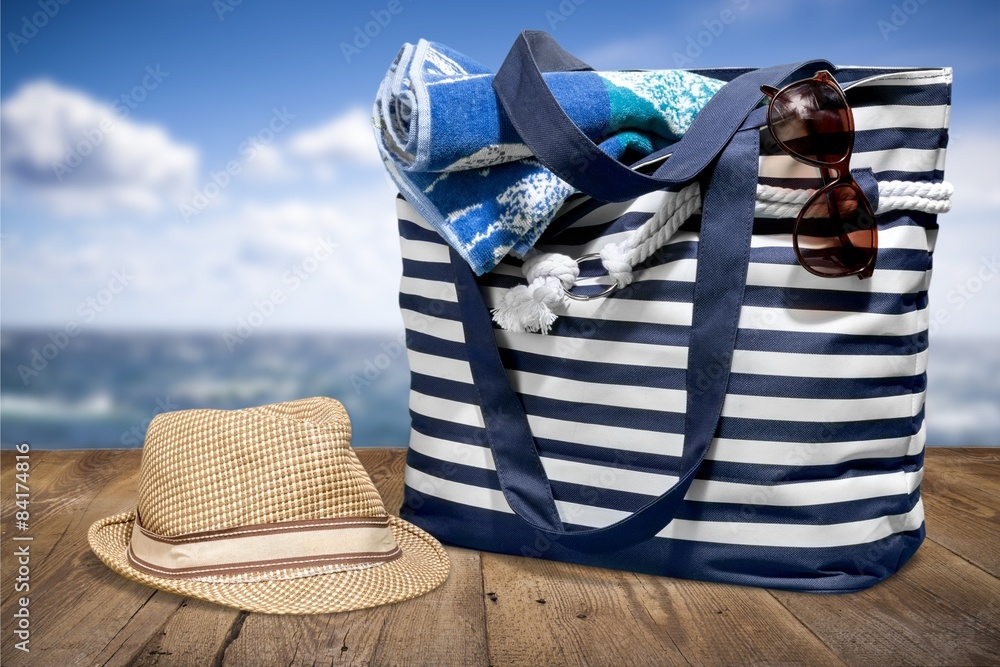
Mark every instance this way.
x=261 y=548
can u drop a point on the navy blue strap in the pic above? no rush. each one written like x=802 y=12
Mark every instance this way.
x=566 y=151
x=723 y=258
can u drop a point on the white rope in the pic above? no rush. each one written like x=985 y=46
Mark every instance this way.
x=550 y=265
x=530 y=308
x=618 y=259
x=892 y=196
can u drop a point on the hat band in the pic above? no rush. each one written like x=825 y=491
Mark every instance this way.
x=350 y=542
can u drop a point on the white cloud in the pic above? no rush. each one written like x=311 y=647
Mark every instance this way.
x=320 y=153
x=345 y=137
x=270 y=163
x=207 y=272
x=75 y=155
x=210 y=274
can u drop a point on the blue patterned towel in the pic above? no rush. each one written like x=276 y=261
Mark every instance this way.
x=453 y=153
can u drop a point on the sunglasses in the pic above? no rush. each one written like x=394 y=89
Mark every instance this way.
x=835 y=234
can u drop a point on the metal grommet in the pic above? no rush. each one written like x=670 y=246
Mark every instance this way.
x=587 y=297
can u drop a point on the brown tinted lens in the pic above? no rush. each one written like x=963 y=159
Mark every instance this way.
x=835 y=234
x=813 y=121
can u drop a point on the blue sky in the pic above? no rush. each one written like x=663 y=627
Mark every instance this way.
x=226 y=72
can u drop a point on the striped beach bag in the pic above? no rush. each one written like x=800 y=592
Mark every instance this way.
x=723 y=416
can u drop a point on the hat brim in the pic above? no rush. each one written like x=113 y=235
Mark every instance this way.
x=423 y=566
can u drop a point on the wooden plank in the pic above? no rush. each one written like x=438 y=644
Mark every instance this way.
x=719 y=624
x=109 y=623
x=541 y=612
x=260 y=639
x=197 y=632
x=545 y=613
x=937 y=610
x=446 y=626
x=60 y=477
x=57 y=477
x=52 y=470
x=969 y=467
x=39 y=477
x=962 y=512
x=70 y=483
x=47 y=469
x=63 y=480
x=78 y=606
x=982 y=463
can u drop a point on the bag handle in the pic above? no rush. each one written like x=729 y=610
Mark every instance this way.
x=566 y=151
x=723 y=258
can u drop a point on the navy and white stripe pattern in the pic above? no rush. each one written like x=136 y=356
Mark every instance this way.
x=813 y=480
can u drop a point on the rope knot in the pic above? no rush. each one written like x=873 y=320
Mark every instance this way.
x=529 y=308
x=616 y=263
x=551 y=264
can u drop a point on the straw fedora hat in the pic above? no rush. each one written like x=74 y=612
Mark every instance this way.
x=268 y=510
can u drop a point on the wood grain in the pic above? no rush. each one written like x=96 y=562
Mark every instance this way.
x=722 y=625
x=980 y=462
x=49 y=474
x=937 y=610
x=85 y=605
x=942 y=608
x=543 y=613
x=86 y=487
x=188 y=632
x=963 y=514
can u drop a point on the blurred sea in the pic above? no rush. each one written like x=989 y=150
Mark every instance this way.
x=102 y=389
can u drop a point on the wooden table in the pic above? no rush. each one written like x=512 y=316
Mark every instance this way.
x=942 y=608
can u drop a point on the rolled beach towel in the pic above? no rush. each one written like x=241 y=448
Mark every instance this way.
x=452 y=151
